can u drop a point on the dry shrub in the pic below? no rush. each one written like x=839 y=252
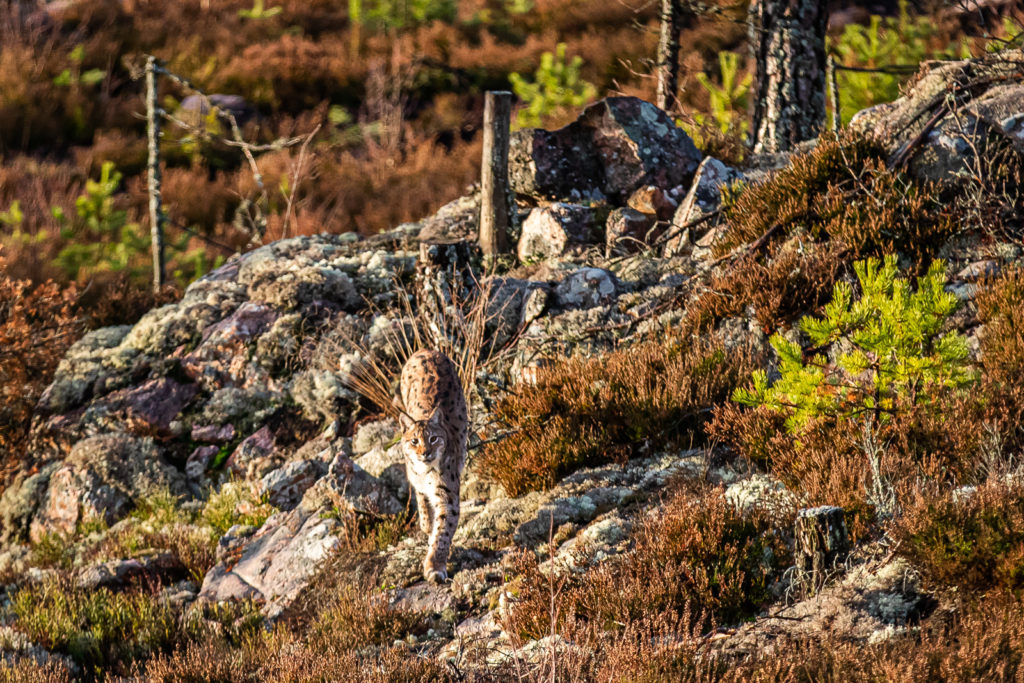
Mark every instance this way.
x=984 y=641
x=283 y=657
x=842 y=191
x=829 y=461
x=793 y=279
x=974 y=540
x=696 y=562
x=116 y=299
x=37 y=324
x=593 y=410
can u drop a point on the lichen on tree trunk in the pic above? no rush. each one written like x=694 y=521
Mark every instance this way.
x=788 y=103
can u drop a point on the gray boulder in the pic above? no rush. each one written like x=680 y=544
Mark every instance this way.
x=703 y=198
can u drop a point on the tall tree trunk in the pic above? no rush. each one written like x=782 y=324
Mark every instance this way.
x=788 y=103
x=668 y=53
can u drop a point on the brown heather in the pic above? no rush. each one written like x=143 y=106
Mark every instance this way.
x=842 y=192
x=696 y=560
x=37 y=324
x=585 y=411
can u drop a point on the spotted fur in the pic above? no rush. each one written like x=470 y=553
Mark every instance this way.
x=434 y=443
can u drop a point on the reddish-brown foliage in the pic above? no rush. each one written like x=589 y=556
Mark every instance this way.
x=37 y=324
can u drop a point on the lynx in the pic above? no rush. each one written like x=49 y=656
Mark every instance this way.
x=434 y=443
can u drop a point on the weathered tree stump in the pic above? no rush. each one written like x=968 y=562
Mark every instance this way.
x=788 y=97
x=821 y=544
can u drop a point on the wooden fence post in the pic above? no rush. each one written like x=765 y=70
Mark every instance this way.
x=156 y=214
x=496 y=204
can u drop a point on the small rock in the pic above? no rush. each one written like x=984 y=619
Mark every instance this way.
x=586 y=288
x=213 y=433
x=552 y=231
x=285 y=486
x=250 y=456
x=703 y=198
x=199 y=461
x=119 y=574
x=101 y=479
x=628 y=231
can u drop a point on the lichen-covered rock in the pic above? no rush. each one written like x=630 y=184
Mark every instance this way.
x=990 y=109
x=244 y=408
x=555 y=230
x=94 y=365
x=873 y=602
x=457 y=220
x=222 y=357
x=322 y=395
x=616 y=146
x=20 y=500
x=370 y=435
x=586 y=288
x=351 y=490
x=703 y=198
x=764 y=493
x=102 y=479
x=638 y=144
x=155 y=403
x=164 y=329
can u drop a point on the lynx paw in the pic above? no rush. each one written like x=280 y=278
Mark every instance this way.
x=435 y=575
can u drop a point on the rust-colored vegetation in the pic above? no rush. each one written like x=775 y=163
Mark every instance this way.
x=585 y=411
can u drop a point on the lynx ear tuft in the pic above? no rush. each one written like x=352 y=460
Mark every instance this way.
x=435 y=418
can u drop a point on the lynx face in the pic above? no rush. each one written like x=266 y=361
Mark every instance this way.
x=424 y=440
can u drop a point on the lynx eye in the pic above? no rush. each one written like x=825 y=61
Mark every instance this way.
x=434 y=439
x=414 y=442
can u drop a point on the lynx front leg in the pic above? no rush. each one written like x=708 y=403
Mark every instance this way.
x=424 y=512
x=445 y=522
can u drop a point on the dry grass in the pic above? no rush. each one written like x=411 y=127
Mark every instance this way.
x=457 y=327
x=629 y=402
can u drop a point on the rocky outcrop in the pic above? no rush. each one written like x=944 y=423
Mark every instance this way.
x=616 y=146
